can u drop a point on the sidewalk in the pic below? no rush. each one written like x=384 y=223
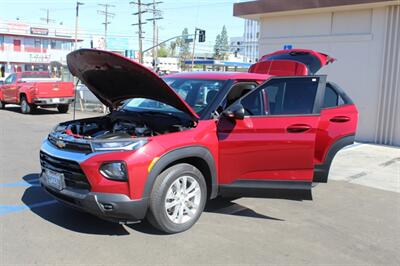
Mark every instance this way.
x=369 y=165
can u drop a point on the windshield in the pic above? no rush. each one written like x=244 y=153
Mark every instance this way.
x=198 y=93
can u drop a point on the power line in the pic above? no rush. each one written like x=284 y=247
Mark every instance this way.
x=47 y=18
x=106 y=15
x=156 y=16
x=139 y=13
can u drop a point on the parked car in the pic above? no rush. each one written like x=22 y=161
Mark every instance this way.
x=2 y=81
x=33 y=89
x=85 y=94
x=170 y=144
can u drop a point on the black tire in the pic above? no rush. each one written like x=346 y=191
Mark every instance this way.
x=26 y=108
x=2 y=105
x=157 y=214
x=63 y=108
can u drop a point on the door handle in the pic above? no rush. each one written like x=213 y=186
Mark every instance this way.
x=298 y=128
x=340 y=119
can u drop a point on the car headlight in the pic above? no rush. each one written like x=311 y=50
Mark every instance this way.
x=114 y=170
x=118 y=145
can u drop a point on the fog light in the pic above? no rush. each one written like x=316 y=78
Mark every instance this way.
x=107 y=207
x=114 y=171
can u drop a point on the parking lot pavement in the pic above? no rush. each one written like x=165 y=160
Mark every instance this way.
x=353 y=220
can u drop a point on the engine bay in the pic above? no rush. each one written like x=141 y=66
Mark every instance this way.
x=122 y=124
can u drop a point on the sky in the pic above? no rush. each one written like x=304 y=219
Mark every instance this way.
x=209 y=15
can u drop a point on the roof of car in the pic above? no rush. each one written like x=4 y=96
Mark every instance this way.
x=219 y=75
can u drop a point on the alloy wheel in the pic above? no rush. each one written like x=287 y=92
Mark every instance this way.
x=183 y=199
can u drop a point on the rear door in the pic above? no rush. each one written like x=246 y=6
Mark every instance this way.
x=270 y=153
x=337 y=129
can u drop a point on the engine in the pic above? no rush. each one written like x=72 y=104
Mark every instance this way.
x=125 y=129
x=120 y=125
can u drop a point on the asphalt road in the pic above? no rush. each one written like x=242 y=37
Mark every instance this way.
x=350 y=221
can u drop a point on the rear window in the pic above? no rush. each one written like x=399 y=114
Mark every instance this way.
x=34 y=75
x=306 y=58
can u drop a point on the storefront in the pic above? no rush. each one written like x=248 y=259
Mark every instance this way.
x=25 y=47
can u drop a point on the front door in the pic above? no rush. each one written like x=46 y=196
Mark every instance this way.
x=270 y=153
x=17 y=45
x=8 y=88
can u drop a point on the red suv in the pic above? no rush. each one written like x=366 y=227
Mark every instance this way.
x=170 y=144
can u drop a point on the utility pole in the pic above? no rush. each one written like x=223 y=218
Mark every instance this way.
x=47 y=18
x=194 y=46
x=106 y=15
x=76 y=24
x=156 y=16
x=139 y=13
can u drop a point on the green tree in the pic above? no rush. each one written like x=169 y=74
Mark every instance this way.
x=224 y=42
x=162 y=50
x=217 y=47
x=221 y=46
x=172 y=48
x=184 y=46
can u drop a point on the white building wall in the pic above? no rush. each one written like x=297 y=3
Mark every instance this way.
x=250 y=44
x=355 y=38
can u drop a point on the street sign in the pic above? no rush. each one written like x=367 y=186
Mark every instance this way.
x=287 y=46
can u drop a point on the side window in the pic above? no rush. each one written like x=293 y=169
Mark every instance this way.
x=253 y=104
x=331 y=98
x=10 y=79
x=291 y=96
x=283 y=96
x=238 y=90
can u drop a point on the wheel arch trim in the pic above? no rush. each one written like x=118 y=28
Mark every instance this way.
x=321 y=171
x=175 y=155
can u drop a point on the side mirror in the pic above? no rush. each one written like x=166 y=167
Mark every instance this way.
x=235 y=112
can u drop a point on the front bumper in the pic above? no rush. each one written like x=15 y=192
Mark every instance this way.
x=52 y=101
x=112 y=207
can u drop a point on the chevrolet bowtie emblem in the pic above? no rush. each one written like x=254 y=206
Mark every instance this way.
x=61 y=144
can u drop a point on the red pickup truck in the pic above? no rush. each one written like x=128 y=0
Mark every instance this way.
x=33 y=89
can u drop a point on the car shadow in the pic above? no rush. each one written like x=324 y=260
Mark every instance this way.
x=229 y=207
x=38 y=111
x=42 y=204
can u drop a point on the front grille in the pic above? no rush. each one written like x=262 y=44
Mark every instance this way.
x=73 y=174
x=71 y=146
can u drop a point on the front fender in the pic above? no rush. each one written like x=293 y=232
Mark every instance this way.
x=179 y=154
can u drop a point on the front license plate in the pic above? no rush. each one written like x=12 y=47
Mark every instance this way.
x=54 y=179
x=56 y=100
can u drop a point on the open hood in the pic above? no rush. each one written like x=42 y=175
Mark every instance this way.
x=291 y=62
x=114 y=78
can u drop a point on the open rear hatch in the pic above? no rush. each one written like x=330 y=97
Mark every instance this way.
x=114 y=78
x=293 y=62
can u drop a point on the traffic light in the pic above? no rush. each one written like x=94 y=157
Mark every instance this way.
x=202 y=35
